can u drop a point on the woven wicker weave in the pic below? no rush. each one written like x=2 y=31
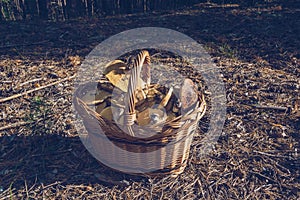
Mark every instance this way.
x=165 y=151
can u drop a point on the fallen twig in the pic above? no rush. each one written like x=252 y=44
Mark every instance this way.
x=271 y=155
x=50 y=185
x=11 y=194
x=14 y=125
x=6 y=81
x=269 y=107
x=34 y=90
x=30 y=81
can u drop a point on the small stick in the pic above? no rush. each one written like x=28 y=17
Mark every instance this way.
x=10 y=195
x=6 y=81
x=26 y=189
x=35 y=89
x=30 y=81
x=200 y=186
x=269 y=107
x=50 y=185
x=271 y=155
x=14 y=125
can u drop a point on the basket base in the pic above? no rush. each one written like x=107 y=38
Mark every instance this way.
x=173 y=172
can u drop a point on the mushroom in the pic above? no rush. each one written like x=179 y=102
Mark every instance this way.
x=167 y=98
x=116 y=72
x=188 y=94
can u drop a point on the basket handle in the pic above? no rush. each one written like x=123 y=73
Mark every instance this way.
x=139 y=71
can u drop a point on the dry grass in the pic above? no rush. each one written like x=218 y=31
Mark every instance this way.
x=256 y=157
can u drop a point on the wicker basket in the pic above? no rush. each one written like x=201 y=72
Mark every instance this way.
x=125 y=146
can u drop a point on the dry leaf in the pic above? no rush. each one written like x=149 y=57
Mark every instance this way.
x=75 y=60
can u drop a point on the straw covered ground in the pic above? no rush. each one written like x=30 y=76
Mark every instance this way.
x=256 y=157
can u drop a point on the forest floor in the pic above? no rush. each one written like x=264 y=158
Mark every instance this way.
x=256 y=157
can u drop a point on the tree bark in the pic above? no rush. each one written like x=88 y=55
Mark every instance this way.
x=42 y=9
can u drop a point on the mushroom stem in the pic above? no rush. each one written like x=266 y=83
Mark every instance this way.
x=167 y=98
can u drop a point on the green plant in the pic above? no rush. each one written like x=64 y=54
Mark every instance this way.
x=40 y=111
x=227 y=51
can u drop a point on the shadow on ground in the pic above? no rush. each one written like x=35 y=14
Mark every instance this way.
x=257 y=50
x=35 y=160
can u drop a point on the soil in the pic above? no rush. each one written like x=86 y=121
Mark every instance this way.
x=256 y=157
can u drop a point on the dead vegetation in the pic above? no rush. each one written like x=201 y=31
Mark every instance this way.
x=256 y=157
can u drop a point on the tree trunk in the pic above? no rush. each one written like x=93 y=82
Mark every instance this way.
x=42 y=9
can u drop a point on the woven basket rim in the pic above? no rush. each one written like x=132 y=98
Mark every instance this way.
x=130 y=139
